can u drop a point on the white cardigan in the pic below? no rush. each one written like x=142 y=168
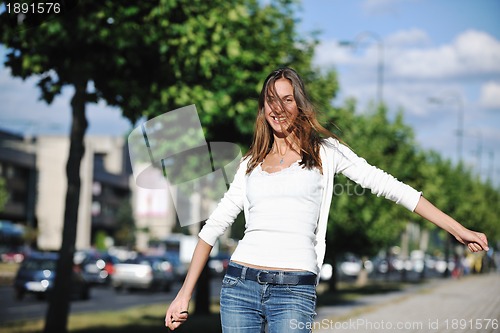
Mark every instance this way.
x=335 y=158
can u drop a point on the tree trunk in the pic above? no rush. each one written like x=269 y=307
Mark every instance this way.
x=202 y=297
x=333 y=282
x=59 y=304
x=447 y=253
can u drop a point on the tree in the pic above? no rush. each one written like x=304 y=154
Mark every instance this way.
x=147 y=58
x=362 y=223
x=460 y=193
x=4 y=195
x=125 y=231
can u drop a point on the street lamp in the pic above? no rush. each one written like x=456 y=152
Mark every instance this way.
x=479 y=152
x=380 y=66
x=457 y=100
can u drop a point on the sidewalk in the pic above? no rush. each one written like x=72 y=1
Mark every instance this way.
x=470 y=304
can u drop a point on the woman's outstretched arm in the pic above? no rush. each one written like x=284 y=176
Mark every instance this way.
x=475 y=241
x=177 y=311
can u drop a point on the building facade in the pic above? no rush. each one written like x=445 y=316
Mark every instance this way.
x=34 y=170
x=104 y=187
x=18 y=170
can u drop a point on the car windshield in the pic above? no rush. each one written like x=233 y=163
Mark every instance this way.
x=39 y=264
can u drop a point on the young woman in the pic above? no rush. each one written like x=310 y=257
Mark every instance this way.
x=284 y=186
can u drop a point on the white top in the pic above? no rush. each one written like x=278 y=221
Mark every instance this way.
x=283 y=214
x=335 y=158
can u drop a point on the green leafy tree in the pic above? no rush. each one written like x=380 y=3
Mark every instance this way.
x=4 y=195
x=100 y=240
x=125 y=229
x=147 y=58
x=364 y=224
x=461 y=194
x=360 y=222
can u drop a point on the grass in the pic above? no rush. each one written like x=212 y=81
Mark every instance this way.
x=10 y=268
x=349 y=292
x=150 y=318
x=7 y=273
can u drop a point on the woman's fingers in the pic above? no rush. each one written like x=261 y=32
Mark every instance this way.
x=475 y=241
x=174 y=320
x=483 y=241
x=478 y=243
x=472 y=247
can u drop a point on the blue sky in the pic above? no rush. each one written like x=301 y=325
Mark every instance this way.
x=444 y=49
x=441 y=50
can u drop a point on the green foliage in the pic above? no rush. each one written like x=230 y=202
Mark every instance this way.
x=100 y=240
x=4 y=195
x=365 y=224
x=461 y=194
x=125 y=230
x=221 y=51
x=150 y=57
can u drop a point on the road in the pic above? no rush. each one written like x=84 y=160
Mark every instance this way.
x=465 y=305
x=102 y=298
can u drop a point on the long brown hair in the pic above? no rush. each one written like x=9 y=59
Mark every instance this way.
x=306 y=126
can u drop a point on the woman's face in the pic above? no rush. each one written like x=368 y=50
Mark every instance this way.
x=281 y=115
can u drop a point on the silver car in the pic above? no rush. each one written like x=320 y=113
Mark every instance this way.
x=144 y=272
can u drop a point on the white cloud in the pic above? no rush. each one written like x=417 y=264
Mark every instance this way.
x=473 y=54
x=415 y=71
x=329 y=53
x=23 y=112
x=405 y=38
x=479 y=49
x=490 y=95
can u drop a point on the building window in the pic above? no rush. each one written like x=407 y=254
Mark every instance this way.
x=9 y=172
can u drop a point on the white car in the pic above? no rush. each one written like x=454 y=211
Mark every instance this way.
x=145 y=272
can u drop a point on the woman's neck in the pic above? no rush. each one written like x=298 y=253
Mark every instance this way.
x=285 y=143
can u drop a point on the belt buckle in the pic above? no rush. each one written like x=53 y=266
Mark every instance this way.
x=258 y=277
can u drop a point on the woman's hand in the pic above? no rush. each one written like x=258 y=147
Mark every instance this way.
x=177 y=312
x=475 y=241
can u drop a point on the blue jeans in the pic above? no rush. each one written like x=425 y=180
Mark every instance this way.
x=246 y=306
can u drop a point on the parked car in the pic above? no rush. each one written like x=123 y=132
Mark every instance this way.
x=218 y=263
x=97 y=267
x=350 y=266
x=143 y=272
x=36 y=275
x=179 y=268
x=12 y=254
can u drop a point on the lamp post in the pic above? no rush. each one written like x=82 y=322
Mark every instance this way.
x=380 y=65
x=479 y=151
x=457 y=100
